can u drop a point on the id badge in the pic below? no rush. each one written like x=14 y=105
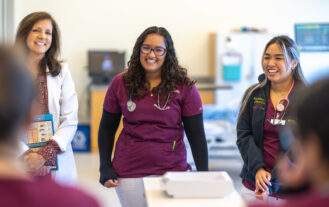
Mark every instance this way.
x=278 y=122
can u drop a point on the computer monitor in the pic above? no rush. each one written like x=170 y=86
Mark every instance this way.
x=104 y=65
x=312 y=37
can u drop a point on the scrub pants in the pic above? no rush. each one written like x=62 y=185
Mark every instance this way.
x=131 y=192
x=249 y=197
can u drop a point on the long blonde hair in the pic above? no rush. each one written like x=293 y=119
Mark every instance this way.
x=289 y=49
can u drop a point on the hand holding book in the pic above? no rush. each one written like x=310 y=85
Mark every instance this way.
x=34 y=161
x=35 y=164
x=43 y=150
x=42 y=159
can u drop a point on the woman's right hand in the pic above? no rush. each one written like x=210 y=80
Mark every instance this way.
x=108 y=176
x=111 y=183
x=261 y=179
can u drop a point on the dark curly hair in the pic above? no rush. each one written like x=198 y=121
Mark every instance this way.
x=172 y=74
x=50 y=58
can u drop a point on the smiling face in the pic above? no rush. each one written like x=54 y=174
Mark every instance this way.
x=40 y=37
x=153 y=61
x=275 y=66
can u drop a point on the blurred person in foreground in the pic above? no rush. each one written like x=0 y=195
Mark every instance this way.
x=17 y=188
x=310 y=148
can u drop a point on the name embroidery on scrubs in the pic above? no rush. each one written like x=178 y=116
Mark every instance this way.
x=259 y=103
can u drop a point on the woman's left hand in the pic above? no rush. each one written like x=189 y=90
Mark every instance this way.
x=34 y=161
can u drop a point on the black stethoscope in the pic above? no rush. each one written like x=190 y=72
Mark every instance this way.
x=281 y=106
x=131 y=106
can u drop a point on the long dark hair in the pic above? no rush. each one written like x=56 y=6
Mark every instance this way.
x=171 y=73
x=50 y=58
x=289 y=49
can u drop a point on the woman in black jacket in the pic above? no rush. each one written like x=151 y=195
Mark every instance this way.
x=264 y=110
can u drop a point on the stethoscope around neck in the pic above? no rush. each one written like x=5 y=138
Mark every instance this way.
x=281 y=106
x=131 y=105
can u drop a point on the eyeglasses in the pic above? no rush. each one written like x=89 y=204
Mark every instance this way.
x=158 y=51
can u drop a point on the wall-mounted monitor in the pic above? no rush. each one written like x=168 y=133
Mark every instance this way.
x=104 y=65
x=312 y=37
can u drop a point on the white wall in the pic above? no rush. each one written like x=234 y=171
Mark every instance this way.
x=115 y=24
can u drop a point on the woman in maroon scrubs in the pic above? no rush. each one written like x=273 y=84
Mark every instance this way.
x=158 y=103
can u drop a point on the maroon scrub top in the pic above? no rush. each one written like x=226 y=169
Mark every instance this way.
x=271 y=139
x=146 y=143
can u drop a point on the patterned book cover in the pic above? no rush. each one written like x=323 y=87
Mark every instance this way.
x=39 y=132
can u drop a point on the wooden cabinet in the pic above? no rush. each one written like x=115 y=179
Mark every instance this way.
x=207 y=91
x=97 y=100
x=207 y=97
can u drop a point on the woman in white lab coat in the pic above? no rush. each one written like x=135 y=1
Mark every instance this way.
x=38 y=37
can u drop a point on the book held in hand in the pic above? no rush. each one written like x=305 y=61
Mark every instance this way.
x=39 y=132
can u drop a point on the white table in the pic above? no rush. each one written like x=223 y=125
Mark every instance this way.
x=156 y=197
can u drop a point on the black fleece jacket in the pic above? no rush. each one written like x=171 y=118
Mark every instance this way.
x=250 y=132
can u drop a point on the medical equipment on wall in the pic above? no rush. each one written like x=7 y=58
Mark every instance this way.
x=248 y=48
x=231 y=63
x=104 y=65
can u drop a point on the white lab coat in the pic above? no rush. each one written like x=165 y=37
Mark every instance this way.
x=63 y=105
